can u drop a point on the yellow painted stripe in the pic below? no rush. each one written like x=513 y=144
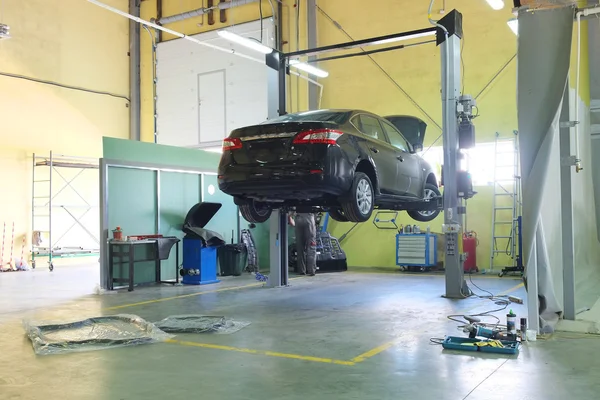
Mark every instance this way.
x=375 y=351
x=183 y=296
x=261 y=352
x=422 y=274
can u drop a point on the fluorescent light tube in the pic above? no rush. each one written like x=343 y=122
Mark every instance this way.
x=408 y=37
x=514 y=25
x=309 y=68
x=249 y=43
x=496 y=4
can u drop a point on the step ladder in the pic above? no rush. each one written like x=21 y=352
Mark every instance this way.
x=506 y=203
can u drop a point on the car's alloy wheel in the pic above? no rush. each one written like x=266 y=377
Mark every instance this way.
x=431 y=192
x=364 y=196
x=358 y=206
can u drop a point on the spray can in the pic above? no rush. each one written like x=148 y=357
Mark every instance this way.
x=523 y=329
x=511 y=323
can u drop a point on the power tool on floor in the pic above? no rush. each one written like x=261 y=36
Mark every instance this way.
x=476 y=329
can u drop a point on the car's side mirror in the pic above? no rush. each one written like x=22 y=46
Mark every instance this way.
x=417 y=148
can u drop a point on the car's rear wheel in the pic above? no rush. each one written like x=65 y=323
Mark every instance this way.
x=337 y=215
x=358 y=205
x=254 y=212
x=431 y=192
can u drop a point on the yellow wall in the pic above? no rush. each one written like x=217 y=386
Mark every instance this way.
x=70 y=42
x=487 y=46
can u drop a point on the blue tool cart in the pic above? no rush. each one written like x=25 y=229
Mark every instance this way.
x=416 y=250
x=200 y=246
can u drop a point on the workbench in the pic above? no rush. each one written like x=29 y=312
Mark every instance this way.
x=156 y=250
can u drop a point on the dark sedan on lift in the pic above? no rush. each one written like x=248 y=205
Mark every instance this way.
x=346 y=162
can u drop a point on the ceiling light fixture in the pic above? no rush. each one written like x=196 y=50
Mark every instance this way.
x=514 y=25
x=309 y=68
x=401 y=38
x=496 y=4
x=249 y=43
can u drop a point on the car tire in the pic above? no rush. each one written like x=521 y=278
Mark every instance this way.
x=337 y=215
x=426 y=216
x=253 y=214
x=358 y=206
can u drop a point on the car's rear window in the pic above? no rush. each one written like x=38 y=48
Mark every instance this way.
x=337 y=117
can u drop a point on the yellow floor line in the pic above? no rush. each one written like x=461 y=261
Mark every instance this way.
x=183 y=296
x=262 y=352
x=423 y=274
x=373 y=352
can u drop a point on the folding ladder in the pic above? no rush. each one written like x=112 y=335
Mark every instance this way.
x=506 y=204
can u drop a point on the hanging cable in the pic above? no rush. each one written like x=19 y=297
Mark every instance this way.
x=261 y=19
x=392 y=80
x=61 y=85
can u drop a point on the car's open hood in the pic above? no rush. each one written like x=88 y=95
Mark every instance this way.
x=412 y=128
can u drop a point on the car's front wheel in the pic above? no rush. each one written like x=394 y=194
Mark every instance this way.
x=431 y=192
x=254 y=212
x=358 y=205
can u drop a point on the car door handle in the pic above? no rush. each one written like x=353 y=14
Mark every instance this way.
x=400 y=158
x=374 y=149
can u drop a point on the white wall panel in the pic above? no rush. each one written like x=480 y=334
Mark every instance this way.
x=180 y=71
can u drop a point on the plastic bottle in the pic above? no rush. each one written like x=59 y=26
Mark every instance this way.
x=511 y=323
x=428 y=229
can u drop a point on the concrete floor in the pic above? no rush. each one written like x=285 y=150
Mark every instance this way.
x=350 y=336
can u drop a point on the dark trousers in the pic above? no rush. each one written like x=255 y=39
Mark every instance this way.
x=306 y=243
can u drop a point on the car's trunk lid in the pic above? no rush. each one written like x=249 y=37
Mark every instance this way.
x=272 y=143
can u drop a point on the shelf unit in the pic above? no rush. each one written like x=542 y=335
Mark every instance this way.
x=44 y=205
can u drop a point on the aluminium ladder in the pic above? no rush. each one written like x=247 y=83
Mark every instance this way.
x=506 y=203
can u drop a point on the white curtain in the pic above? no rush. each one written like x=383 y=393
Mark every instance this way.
x=544 y=53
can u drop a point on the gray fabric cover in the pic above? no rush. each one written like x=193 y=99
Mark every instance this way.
x=544 y=49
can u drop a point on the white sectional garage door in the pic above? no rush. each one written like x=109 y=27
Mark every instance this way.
x=203 y=94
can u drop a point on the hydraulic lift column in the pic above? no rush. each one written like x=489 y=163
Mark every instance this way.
x=449 y=42
x=278 y=228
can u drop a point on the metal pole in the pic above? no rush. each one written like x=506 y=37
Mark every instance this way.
x=311 y=20
x=104 y=272
x=455 y=283
x=134 y=72
x=566 y=200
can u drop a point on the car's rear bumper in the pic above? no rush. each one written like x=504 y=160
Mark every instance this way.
x=288 y=184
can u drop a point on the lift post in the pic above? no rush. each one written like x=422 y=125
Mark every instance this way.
x=449 y=42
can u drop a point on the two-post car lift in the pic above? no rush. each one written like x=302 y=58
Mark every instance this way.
x=457 y=133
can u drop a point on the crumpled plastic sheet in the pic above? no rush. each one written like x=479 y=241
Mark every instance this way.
x=97 y=333
x=200 y=324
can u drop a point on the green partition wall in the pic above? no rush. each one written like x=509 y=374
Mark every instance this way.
x=150 y=188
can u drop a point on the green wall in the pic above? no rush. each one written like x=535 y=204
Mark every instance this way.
x=136 y=200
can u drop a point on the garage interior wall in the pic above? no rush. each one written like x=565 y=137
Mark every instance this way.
x=390 y=83
x=66 y=42
x=203 y=94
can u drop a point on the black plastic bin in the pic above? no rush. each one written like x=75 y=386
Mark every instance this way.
x=232 y=259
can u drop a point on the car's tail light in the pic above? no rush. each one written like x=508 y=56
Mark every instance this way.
x=318 y=136
x=232 y=144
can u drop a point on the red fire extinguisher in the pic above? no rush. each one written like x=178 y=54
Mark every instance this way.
x=470 y=243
